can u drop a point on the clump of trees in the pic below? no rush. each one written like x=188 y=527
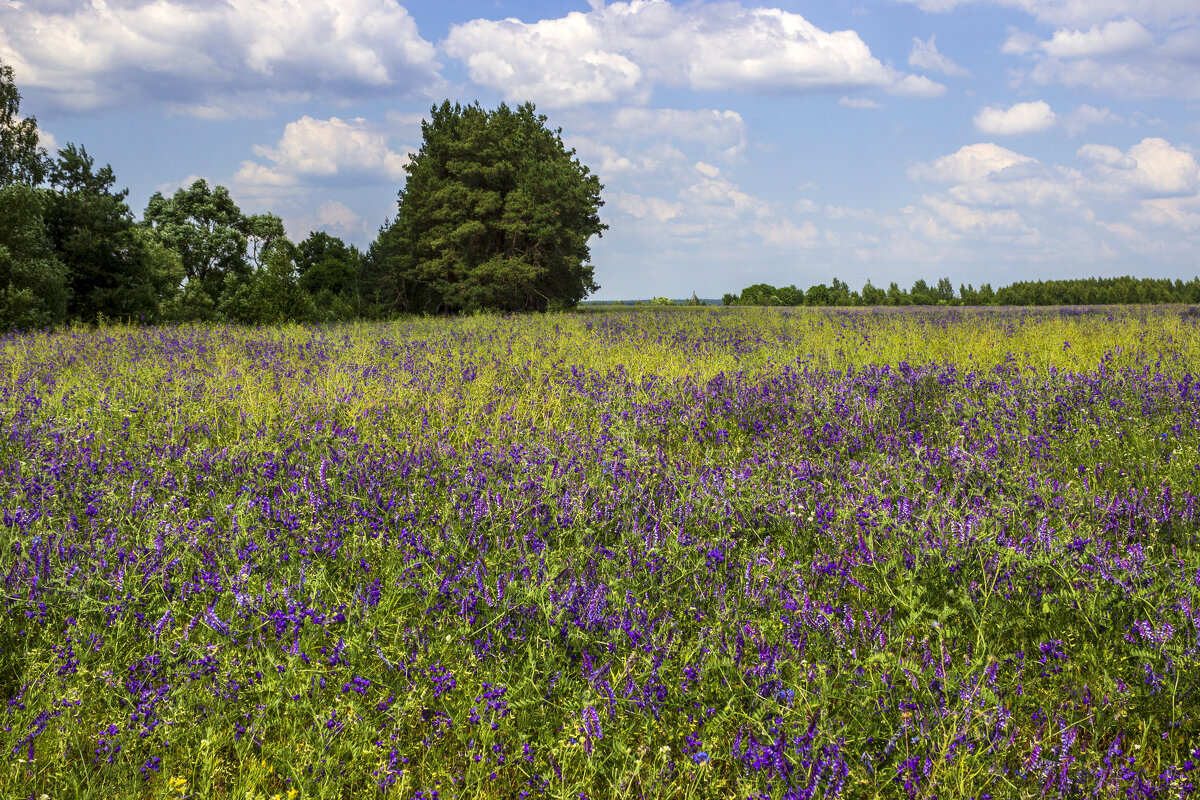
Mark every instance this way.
x=496 y=214
x=1076 y=291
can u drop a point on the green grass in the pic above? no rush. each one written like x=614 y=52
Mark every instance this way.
x=917 y=553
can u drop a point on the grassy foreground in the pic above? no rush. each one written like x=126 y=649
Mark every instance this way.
x=706 y=554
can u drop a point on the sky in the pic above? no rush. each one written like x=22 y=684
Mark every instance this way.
x=789 y=142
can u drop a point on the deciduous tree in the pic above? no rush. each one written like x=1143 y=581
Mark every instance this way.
x=33 y=290
x=22 y=160
x=208 y=231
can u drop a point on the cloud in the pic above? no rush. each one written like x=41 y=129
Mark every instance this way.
x=1017 y=119
x=558 y=62
x=925 y=55
x=1152 y=168
x=46 y=139
x=1086 y=116
x=708 y=207
x=944 y=219
x=1121 y=57
x=324 y=152
x=1182 y=214
x=785 y=233
x=970 y=163
x=1082 y=12
x=988 y=175
x=337 y=216
x=606 y=160
x=647 y=208
x=715 y=198
x=999 y=202
x=614 y=142
x=214 y=59
x=859 y=102
x=1019 y=42
x=916 y=86
x=1110 y=39
x=723 y=131
x=622 y=51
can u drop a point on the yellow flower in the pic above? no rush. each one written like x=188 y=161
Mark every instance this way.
x=292 y=794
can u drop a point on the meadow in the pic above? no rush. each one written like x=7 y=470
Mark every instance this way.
x=688 y=553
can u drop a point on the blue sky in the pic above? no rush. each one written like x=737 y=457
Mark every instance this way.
x=786 y=142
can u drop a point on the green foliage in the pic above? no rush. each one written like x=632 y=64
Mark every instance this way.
x=33 y=284
x=1098 y=291
x=326 y=265
x=818 y=295
x=33 y=291
x=496 y=214
x=22 y=160
x=190 y=303
x=771 y=549
x=1076 y=291
x=764 y=294
x=208 y=231
x=263 y=232
x=110 y=271
x=269 y=296
x=872 y=296
x=164 y=265
x=790 y=296
x=921 y=294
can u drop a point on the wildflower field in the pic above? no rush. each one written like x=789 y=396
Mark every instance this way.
x=676 y=554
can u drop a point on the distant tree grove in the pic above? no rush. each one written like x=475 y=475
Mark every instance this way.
x=496 y=214
x=1069 y=292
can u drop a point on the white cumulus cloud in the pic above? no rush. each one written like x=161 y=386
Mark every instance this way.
x=1016 y=119
x=971 y=162
x=1120 y=36
x=916 y=86
x=621 y=51
x=1082 y=12
x=213 y=58
x=1152 y=168
x=988 y=175
x=1132 y=54
x=324 y=152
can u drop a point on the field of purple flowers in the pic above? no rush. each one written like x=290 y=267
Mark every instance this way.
x=691 y=553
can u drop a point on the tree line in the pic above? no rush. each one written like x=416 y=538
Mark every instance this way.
x=1067 y=292
x=495 y=214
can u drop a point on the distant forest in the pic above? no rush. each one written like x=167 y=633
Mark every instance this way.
x=1070 y=292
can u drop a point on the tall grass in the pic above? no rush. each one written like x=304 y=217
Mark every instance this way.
x=715 y=553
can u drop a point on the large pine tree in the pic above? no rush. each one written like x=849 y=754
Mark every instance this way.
x=496 y=214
